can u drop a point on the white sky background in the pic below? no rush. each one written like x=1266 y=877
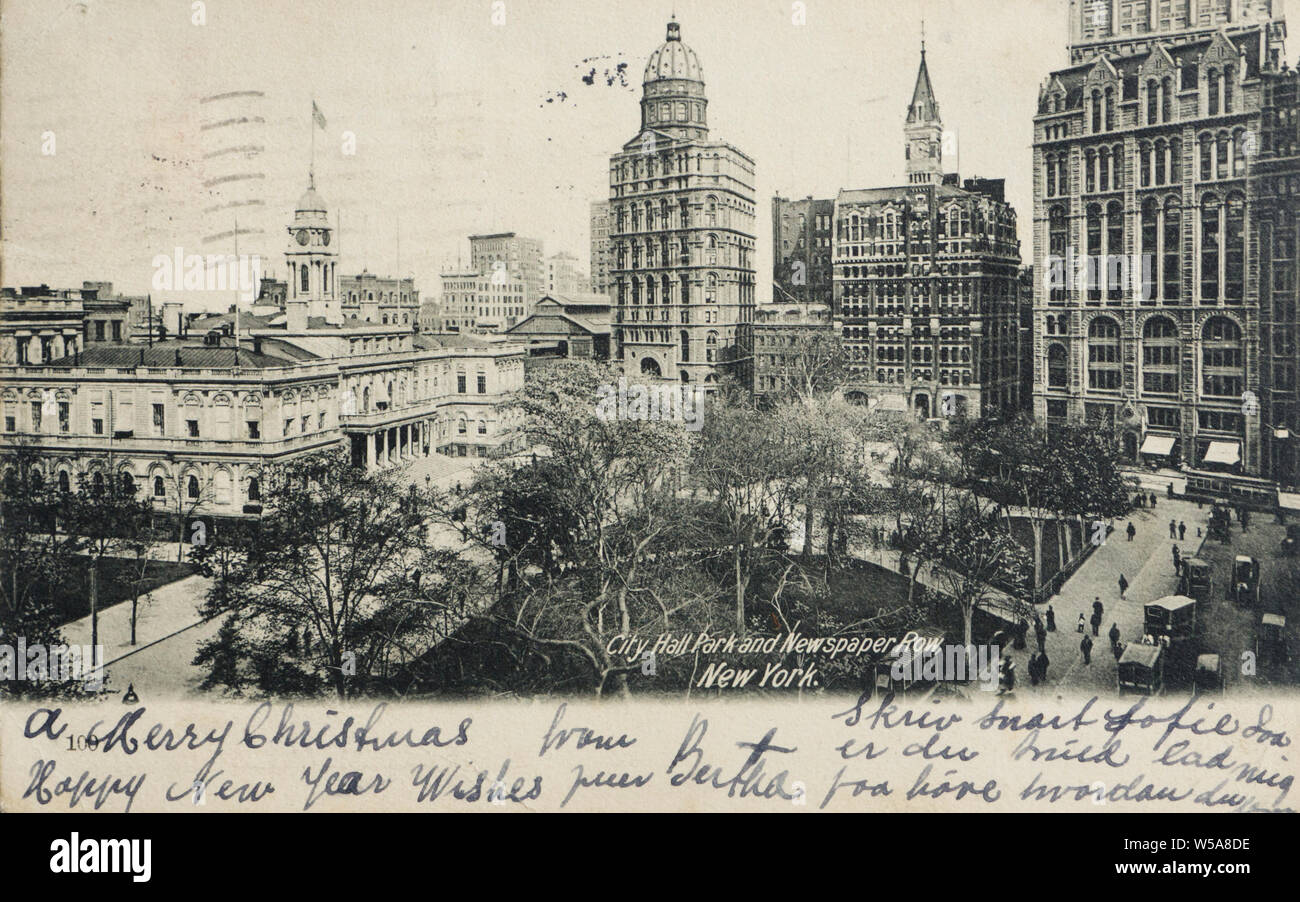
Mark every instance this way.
x=453 y=131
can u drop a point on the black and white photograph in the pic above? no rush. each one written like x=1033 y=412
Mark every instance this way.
x=650 y=406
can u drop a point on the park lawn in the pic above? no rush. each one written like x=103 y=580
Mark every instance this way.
x=71 y=598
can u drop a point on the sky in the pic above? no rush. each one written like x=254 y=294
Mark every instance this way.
x=131 y=129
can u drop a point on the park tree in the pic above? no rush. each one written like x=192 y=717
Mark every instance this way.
x=814 y=366
x=1088 y=480
x=111 y=521
x=744 y=466
x=37 y=558
x=324 y=590
x=975 y=552
x=1013 y=463
x=607 y=529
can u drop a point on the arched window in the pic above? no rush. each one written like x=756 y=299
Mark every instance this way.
x=97 y=483
x=1153 y=101
x=1160 y=355
x=1117 y=167
x=1207 y=157
x=1103 y=354
x=65 y=485
x=128 y=484
x=711 y=288
x=686 y=347
x=192 y=487
x=1096 y=110
x=1057 y=371
x=302 y=268
x=159 y=487
x=711 y=347
x=1050 y=162
x=1223 y=366
x=1212 y=76
x=1166 y=99
x=254 y=489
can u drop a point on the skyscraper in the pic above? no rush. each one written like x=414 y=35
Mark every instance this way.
x=682 y=233
x=926 y=282
x=1149 y=292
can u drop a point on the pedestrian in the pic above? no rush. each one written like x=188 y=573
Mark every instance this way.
x=1182 y=530
x=1153 y=499
x=1082 y=625
x=1085 y=646
x=1021 y=629
x=1114 y=634
x=1040 y=634
x=1169 y=490
x=1051 y=619
x=1118 y=649
x=1245 y=520
x=1033 y=669
x=1042 y=666
x=1096 y=623
x=1123 y=585
x=1173 y=530
x=1178 y=562
x=1097 y=607
x=1132 y=530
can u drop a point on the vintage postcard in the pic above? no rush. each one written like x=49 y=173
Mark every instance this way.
x=506 y=405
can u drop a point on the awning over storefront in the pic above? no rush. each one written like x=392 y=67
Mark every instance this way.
x=1288 y=501
x=1227 y=453
x=1158 y=444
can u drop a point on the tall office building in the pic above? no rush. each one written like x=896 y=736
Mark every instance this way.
x=1153 y=203
x=511 y=257
x=682 y=233
x=926 y=283
x=599 y=263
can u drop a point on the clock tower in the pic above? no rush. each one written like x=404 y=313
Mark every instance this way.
x=924 y=132
x=312 y=259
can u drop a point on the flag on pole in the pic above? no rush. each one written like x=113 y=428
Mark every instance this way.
x=317 y=116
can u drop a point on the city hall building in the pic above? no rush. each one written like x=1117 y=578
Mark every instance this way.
x=1164 y=235
x=192 y=421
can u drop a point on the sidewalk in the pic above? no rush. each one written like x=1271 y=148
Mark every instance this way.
x=1147 y=564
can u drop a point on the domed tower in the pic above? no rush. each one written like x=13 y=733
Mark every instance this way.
x=312 y=263
x=673 y=98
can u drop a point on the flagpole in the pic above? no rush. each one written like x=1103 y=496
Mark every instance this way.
x=238 y=269
x=311 y=125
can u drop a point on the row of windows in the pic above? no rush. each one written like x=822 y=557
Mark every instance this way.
x=1223 y=372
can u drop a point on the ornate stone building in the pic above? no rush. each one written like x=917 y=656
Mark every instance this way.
x=1277 y=177
x=682 y=233
x=192 y=421
x=925 y=283
x=1147 y=231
